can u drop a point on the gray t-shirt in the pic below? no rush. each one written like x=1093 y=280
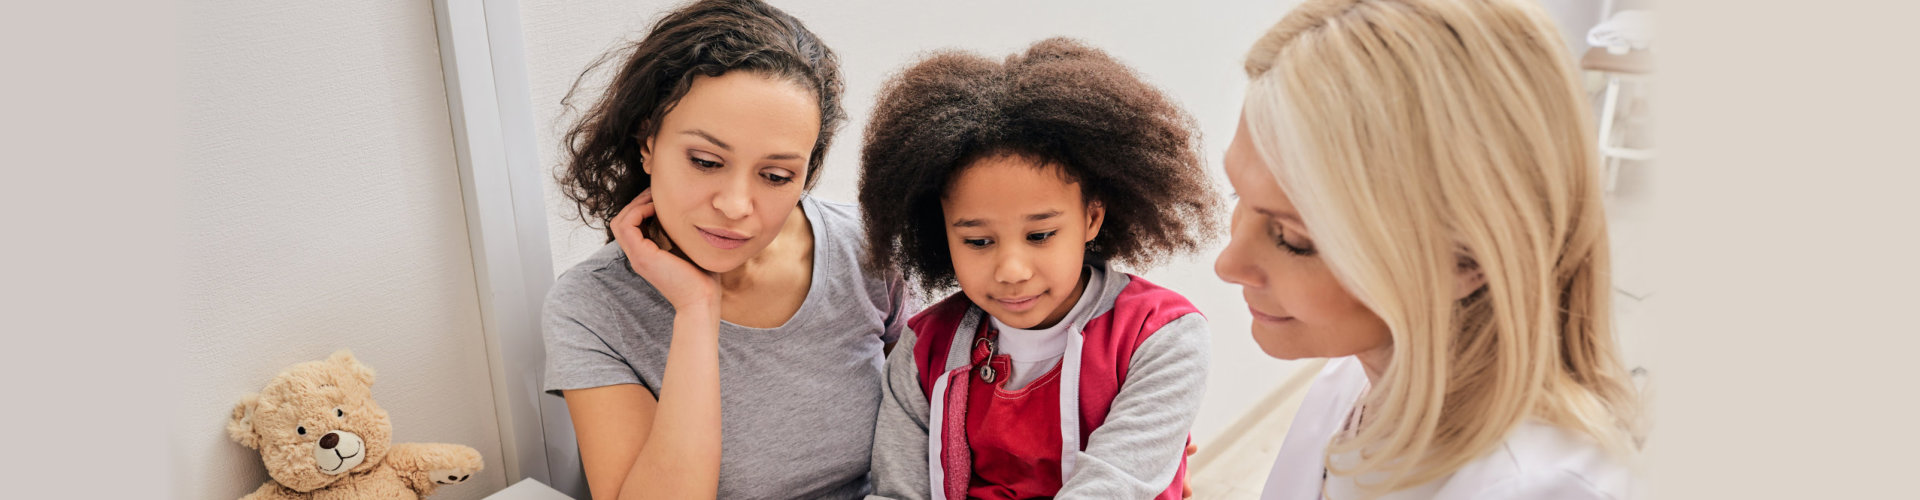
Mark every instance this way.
x=797 y=402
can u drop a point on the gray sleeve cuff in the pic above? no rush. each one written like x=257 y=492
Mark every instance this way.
x=899 y=467
x=577 y=356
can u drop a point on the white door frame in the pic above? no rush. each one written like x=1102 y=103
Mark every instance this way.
x=483 y=59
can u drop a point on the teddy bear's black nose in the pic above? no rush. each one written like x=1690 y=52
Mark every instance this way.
x=330 y=440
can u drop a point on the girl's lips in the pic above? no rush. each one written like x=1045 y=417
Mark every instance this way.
x=722 y=239
x=1260 y=316
x=1020 y=304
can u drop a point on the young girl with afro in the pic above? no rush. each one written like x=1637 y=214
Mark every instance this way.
x=1022 y=182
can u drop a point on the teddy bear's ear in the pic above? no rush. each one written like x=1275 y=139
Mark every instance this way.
x=240 y=424
x=344 y=358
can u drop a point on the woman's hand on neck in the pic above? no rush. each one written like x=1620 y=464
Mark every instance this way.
x=688 y=287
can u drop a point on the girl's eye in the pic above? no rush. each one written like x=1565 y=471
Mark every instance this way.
x=976 y=242
x=703 y=164
x=1280 y=238
x=1041 y=237
x=776 y=179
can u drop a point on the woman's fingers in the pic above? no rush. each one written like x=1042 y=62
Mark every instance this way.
x=1186 y=490
x=683 y=283
x=635 y=212
x=626 y=229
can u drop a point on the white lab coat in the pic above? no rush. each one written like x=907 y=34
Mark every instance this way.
x=1536 y=461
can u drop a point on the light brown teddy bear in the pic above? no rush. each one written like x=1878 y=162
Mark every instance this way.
x=322 y=437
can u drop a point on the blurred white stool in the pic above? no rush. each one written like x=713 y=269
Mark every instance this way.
x=528 y=489
x=1630 y=73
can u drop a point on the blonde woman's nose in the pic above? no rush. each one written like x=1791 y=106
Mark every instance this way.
x=1233 y=267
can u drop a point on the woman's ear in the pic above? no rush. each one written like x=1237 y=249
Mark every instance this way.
x=1096 y=215
x=1468 y=278
x=646 y=151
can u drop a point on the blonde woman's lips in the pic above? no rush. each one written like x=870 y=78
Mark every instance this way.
x=1257 y=315
x=722 y=239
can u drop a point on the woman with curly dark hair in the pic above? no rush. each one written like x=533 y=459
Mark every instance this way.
x=1022 y=182
x=697 y=158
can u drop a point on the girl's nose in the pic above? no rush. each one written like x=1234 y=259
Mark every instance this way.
x=1013 y=268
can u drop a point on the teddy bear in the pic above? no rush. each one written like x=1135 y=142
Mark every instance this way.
x=322 y=437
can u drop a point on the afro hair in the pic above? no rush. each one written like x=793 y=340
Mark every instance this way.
x=1061 y=103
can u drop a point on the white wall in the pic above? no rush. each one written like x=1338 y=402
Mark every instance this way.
x=323 y=211
x=1575 y=17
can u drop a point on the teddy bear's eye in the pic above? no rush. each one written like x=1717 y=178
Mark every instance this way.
x=339 y=413
x=301 y=430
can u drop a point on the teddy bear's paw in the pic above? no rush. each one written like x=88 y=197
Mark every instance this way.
x=449 y=476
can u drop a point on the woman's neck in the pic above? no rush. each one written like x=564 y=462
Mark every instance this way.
x=1374 y=361
x=793 y=242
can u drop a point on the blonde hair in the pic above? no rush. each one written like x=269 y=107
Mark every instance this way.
x=1419 y=138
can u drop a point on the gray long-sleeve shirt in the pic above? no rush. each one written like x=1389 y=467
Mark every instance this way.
x=797 y=401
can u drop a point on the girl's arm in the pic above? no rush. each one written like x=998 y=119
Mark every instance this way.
x=1136 y=452
x=899 y=467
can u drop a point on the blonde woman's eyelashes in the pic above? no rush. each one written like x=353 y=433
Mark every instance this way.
x=1280 y=238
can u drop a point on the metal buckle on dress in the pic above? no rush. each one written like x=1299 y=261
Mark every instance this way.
x=986 y=365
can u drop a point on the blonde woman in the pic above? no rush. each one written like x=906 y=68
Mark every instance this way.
x=1417 y=198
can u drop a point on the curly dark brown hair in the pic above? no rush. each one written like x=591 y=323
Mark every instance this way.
x=708 y=37
x=1131 y=149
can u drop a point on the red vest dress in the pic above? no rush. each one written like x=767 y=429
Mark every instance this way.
x=988 y=442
